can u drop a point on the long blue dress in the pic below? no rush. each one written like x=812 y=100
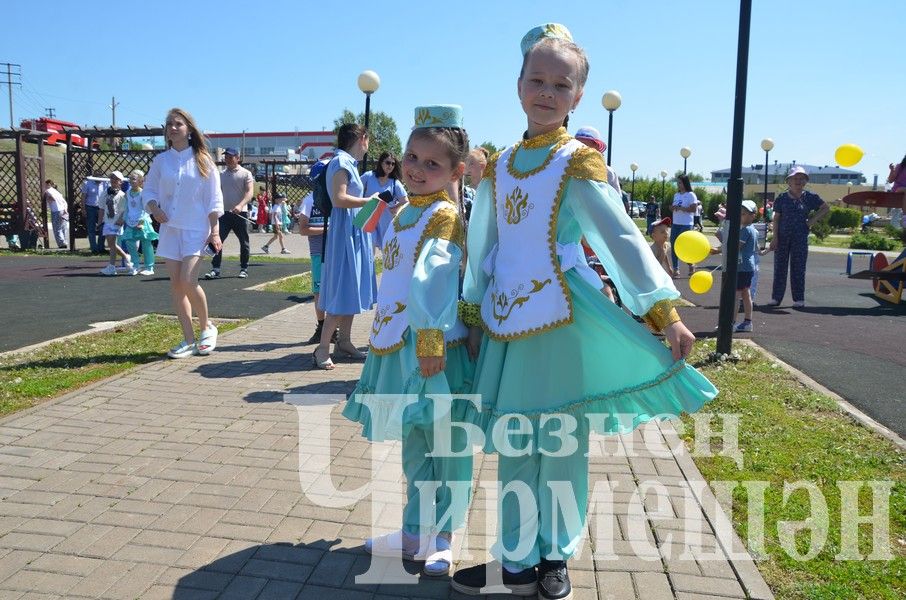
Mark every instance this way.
x=348 y=282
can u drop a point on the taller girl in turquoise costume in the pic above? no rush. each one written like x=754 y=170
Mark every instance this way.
x=556 y=360
x=417 y=345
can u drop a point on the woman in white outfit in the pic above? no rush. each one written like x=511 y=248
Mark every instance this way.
x=182 y=192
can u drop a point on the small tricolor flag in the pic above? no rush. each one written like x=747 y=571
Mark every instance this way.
x=369 y=215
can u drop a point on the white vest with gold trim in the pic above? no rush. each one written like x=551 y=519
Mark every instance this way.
x=400 y=251
x=527 y=293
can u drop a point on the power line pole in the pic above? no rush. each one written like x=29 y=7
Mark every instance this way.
x=12 y=70
x=50 y=112
x=113 y=105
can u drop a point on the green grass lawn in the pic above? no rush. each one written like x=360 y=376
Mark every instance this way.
x=29 y=378
x=788 y=433
x=843 y=241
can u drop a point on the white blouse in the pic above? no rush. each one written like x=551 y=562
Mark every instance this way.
x=185 y=196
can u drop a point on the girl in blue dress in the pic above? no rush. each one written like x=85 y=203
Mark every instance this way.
x=417 y=345
x=348 y=282
x=555 y=362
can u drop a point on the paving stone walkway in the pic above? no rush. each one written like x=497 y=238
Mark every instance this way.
x=182 y=479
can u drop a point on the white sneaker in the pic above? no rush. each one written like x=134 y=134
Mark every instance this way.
x=109 y=270
x=132 y=271
x=243 y=274
x=800 y=304
x=265 y=249
x=284 y=251
x=146 y=272
x=773 y=302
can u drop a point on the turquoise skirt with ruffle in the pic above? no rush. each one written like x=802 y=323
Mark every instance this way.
x=605 y=370
x=389 y=415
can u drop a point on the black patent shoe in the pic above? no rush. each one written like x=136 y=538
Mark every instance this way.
x=473 y=580
x=553 y=580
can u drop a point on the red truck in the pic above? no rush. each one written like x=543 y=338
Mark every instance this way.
x=55 y=127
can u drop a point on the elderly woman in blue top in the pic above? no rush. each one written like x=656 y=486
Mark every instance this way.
x=792 y=220
x=348 y=283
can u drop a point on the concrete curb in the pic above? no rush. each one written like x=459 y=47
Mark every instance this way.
x=856 y=414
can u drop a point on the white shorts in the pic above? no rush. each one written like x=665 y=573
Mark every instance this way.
x=177 y=244
x=112 y=229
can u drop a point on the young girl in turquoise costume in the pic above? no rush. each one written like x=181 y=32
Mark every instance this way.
x=417 y=343
x=555 y=362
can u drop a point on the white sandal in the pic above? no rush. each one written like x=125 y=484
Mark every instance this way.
x=207 y=341
x=391 y=545
x=182 y=350
x=440 y=557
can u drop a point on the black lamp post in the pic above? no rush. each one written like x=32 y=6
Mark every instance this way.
x=727 y=310
x=611 y=101
x=663 y=185
x=685 y=152
x=368 y=82
x=767 y=144
x=633 y=167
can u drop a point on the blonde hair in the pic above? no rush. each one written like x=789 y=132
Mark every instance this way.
x=197 y=140
x=480 y=154
x=138 y=173
x=562 y=46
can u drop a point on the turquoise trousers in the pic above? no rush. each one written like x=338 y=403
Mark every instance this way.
x=438 y=488
x=542 y=512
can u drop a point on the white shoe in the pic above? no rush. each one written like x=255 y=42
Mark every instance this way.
x=395 y=544
x=183 y=350
x=284 y=251
x=439 y=557
x=146 y=272
x=109 y=270
x=127 y=268
x=773 y=302
x=800 y=304
x=265 y=249
x=243 y=274
x=131 y=271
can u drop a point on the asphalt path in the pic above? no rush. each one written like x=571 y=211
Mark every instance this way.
x=845 y=338
x=45 y=297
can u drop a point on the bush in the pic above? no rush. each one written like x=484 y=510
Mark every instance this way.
x=821 y=229
x=844 y=218
x=871 y=241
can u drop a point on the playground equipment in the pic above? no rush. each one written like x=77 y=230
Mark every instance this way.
x=887 y=279
x=875 y=199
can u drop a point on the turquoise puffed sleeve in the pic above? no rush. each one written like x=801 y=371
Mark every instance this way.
x=434 y=295
x=480 y=241
x=619 y=244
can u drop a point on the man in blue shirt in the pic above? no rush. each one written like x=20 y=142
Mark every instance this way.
x=93 y=189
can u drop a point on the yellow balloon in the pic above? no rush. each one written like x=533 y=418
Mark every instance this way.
x=692 y=247
x=848 y=154
x=701 y=282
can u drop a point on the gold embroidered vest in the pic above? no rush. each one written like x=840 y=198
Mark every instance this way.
x=527 y=293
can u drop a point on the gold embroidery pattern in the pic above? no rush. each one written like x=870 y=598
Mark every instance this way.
x=587 y=163
x=391 y=349
x=445 y=224
x=491 y=167
x=558 y=138
x=661 y=315
x=552 y=245
x=506 y=303
x=517 y=206
x=469 y=313
x=419 y=203
x=384 y=315
x=424 y=117
x=429 y=342
x=391 y=254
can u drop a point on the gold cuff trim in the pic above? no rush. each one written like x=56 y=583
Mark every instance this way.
x=469 y=314
x=661 y=315
x=429 y=342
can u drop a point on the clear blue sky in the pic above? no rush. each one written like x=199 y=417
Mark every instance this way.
x=820 y=73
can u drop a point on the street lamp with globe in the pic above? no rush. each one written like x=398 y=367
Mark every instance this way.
x=369 y=82
x=685 y=152
x=767 y=144
x=611 y=101
x=633 y=167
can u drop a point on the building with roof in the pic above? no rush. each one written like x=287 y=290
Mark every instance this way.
x=777 y=174
x=306 y=146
